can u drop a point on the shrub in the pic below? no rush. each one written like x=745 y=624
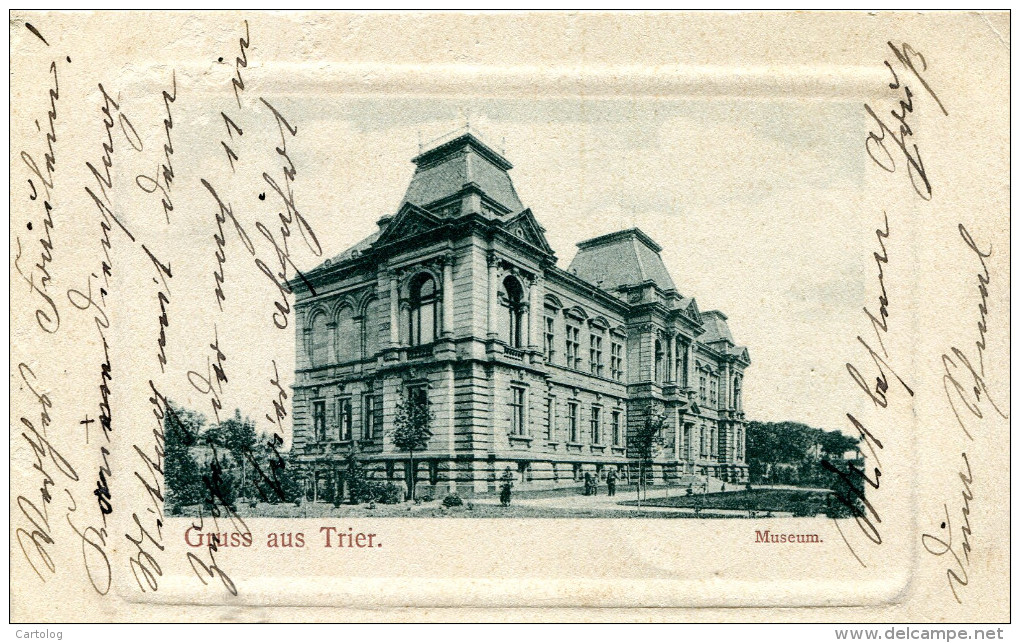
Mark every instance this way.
x=452 y=500
x=427 y=496
x=390 y=494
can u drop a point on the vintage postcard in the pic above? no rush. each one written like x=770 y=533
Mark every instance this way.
x=588 y=316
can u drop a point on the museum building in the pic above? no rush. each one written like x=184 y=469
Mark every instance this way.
x=457 y=299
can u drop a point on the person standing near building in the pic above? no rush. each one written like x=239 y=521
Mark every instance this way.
x=506 y=487
x=611 y=482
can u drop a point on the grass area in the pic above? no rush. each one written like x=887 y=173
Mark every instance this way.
x=436 y=510
x=797 y=501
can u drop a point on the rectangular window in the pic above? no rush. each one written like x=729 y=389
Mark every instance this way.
x=715 y=392
x=701 y=441
x=550 y=339
x=616 y=361
x=617 y=433
x=573 y=347
x=343 y=419
x=595 y=354
x=418 y=394
x=713 y=446
x=596 y=425
x=572 y=421
x=368 y=425
x=550 y=410
x=702 y=394
x=517 y=426
x=687 y=442
x=319 y=419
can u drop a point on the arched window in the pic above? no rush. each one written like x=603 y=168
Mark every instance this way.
x=736 y=393
x=514 y=304
x=370 y=327
x=348 y=344
x=424 y=301
x=659 y=355
x=318 y=341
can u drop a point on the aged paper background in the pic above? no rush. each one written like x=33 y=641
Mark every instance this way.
x=737 y=141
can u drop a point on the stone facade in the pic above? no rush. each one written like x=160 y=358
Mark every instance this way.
x=525 y=365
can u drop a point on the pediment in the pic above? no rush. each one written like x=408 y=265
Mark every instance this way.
x=692 y=310
x=410 y=221
x=525 y=226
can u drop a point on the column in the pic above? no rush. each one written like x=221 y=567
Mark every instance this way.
x=670 y=360
x=690 y=365
x=676 y=436
x=725 y=401
x=493 y=292
x=536 y=323
x=394 y=311
x=448 y=296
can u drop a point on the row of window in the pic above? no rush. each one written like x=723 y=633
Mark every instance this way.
x=572 y=353
x=596 y=429
x=708 y=441
x=351 y=342
x=341 y=428
x=708 y=391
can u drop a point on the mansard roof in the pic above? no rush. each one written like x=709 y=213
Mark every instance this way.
x=447 y=169
x=716 y=328
x=717 y=334
x=625 y=258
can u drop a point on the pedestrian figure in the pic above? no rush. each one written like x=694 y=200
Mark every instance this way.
x=505 y=488
x=611 y=482
x=595 y=485
x=587 y=484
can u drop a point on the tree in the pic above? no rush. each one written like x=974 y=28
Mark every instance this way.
x=794 y=452
x=356 y=477
x=239 y=440
x=647 y=443
x=237 y=437
x=411 y=428
x=181 y=472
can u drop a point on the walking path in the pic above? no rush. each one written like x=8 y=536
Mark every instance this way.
x=603 y=501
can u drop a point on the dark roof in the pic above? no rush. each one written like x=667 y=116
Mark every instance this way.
x=444 y=171
x=716 y=328
x=625 y=258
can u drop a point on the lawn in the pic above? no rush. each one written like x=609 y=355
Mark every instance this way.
x=796 y=501
x=435 y=509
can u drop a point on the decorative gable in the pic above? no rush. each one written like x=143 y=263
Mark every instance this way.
x=525 y=226
x=692 y=310
x=410 y=221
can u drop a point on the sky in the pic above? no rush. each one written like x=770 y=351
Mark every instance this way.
x=752 y=202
